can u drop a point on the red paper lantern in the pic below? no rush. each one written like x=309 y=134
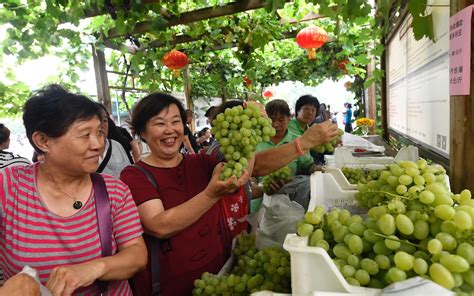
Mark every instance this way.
x=311 y=38
x=175 y=60
x=268 y=94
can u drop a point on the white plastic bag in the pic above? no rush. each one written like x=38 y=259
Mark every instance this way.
x=277 y=220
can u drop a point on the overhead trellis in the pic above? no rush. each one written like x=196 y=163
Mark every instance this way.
x=248 y=34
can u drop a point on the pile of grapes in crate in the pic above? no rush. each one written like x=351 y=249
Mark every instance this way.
x=254 y=270
x=415 y=227
x=359 y=175
x=239 y=130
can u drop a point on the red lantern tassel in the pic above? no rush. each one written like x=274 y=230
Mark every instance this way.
x=175 y=73
x=312 y=53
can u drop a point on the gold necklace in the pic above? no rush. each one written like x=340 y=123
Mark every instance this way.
x=77 y=203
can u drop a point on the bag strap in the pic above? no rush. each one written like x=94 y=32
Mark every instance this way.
x=153 y=244
x=104 y=220
x=106 y=159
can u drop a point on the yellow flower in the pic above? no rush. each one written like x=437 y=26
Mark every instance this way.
x=365 y=121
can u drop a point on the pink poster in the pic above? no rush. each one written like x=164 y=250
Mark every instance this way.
x=460 y=52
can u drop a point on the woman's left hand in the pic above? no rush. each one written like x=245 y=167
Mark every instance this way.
x=64 y=280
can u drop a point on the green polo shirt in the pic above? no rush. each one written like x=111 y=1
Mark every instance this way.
x=295 y=128
x=299 y=164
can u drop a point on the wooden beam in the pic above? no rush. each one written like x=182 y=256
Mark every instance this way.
x=197 y=15
x=461 y=164
x=371 y=94
x=120 y=47
x=101 y=80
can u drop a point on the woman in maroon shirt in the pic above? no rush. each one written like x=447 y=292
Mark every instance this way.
x=183 y=211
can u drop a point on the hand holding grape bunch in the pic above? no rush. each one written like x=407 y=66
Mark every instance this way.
x=274 y=181
x=239 y=130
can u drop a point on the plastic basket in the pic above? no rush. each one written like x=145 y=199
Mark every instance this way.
x=343 y=158
x=326 y=191
x=314 y=273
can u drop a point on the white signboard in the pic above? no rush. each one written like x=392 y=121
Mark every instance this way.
x=418 y=83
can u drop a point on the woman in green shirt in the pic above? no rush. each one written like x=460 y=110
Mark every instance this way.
x=306 y=109
x=279 y=112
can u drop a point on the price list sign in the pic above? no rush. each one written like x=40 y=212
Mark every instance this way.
x=460 y=52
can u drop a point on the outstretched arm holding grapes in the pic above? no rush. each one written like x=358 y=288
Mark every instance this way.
x=273 y=159
x=163 y=223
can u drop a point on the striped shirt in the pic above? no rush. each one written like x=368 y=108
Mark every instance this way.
x=32 y=235
x=10 y=159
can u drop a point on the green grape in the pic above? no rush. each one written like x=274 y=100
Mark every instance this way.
x=419 y=180
x=382 y=261
x=466 y=251
x=395 y=274
x=449 y=227
x=404 y=224
x=401 y=189
x=440 y=275
x=317 y=235
x=447 y=240
x=353 y=281
x=462 y=220
x=353 y=260
x=355 y=245
x=323 y=244
x=405 y=180
x=341 y=251
x=421 y=229
x=468 y=276
x=427 y=197
x=369 y=265
x=392 y=242
x=357 y=228
x=465 y=196
x=444 y=212
x=340 y=232
x=380 y=248
x=403 y=260
x=305 y=229
x=348 y=271
x=435 y=246
x=454 y=263
x=386 y=224
x=312 y=218
x=420 y=266
x=282 y=175
x=369 y=235
x=362 y=276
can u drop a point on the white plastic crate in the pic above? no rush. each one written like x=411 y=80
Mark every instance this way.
x=343 y=157
x=314 y=273
x=326 y=191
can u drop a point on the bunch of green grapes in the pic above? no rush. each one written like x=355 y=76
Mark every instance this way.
x=238 y=131
x=407 y=180
x=329 y=146
x=254 y=270
x=282 y=175
x=359 y=175
x=401 y=238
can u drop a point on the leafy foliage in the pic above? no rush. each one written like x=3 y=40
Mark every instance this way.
x=223 y=50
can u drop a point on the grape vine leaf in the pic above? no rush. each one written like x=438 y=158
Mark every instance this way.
x=423 y=27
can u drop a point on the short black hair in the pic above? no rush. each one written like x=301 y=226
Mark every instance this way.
x=151 y=106
x=52 y=110
x=4 y=133
x=277 y=106
x=306 y=100
x=209 y=111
